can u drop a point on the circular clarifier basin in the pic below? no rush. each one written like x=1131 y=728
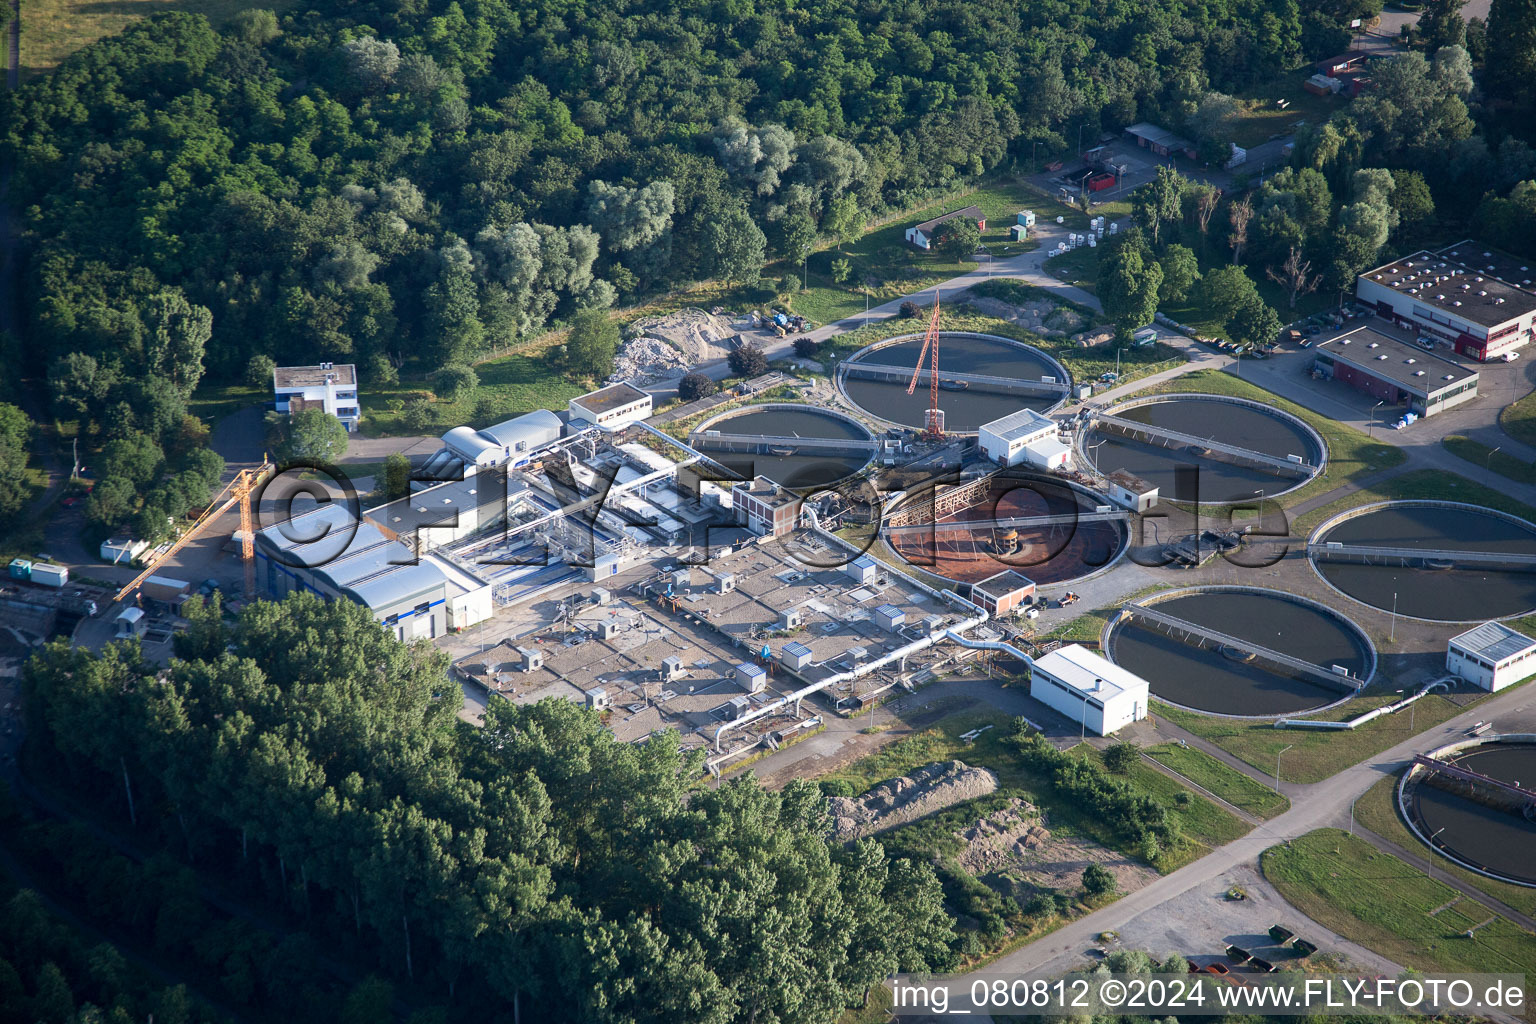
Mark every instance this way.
x=1196 y=670
x=965 y=546
x=1187 y=471
x=1479 y=826
x=1393 y=578
x=1013 y=376
x=794 y=445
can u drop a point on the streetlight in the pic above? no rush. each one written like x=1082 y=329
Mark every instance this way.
x=1393 y=637
x=1488 y=462
x=1277 y=766
x=1429 y=861
x=1371 y=430
x=1260 y=493
x=1080 y=137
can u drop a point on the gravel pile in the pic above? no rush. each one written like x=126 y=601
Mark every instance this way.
x=645 y=359
x=905 y=799
x=1002 y=838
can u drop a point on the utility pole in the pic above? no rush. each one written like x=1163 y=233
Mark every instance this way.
x=1488 y=462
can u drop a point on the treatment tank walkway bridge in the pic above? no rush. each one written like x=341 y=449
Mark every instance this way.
x=1199 y=635
x=764 y=444
x=1018 y=523
x=1377 y=554
x=903 y=375
x=1218 y=450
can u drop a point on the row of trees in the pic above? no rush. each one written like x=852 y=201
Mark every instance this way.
x=534 y=861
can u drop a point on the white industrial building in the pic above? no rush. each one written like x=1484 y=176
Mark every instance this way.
x=510 y=442
x=328 y=386
x=1474 y=299
x=1088 y=689
x=1491 y=656
x=1024 y=437
x=613 y=407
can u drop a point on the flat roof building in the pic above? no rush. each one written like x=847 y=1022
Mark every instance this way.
x=1089 y=689
x=1492 y=656
x=1469 y=296
x=766 y=508
x=1000 y=594
x=1160 y=140
x=615 y=406
x=1396 y=372
x=328 y=386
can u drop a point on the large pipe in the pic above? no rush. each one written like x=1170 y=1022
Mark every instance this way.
x=923 y=643
x=1356 y=722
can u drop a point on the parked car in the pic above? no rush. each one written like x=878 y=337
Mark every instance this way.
x=1510 y=357
x=1306 y=342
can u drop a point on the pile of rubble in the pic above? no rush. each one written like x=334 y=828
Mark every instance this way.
x=1002 y=838
x=644 y=359
x=901 y=800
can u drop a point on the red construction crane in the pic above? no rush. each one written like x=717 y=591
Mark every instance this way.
x=933 y=419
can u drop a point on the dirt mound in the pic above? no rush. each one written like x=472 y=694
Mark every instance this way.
x=1039 y=316
x=909 y=797
x=1002 y=838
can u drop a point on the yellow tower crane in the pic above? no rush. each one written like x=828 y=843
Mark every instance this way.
x=239 y=490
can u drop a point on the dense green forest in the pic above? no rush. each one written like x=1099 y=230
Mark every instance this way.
x=415 y=184
x=535 y=862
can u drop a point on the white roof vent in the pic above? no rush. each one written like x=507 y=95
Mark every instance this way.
x=1382 y=358
x=1418 y=373
x=1411 y=359
x=1456 y=303
x=1449 y=376
x=1487 y=254
x=1483 y=293
x=1374 y=345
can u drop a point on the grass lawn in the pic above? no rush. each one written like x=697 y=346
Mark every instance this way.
x=1202 y=822
x=1351 y=453
x=1345 y=884
x=1078 y=266
x=1377 y=811
x=1480 y=454
x=1519 y=419
x=1261 y=120
x=509 y=386
x=212 y=402
x=1315 y=754
x=884 y=265
x=53 y=29
x=1421 y=483
x=1231 y=785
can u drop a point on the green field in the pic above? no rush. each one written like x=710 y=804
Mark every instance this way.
x=1351 y=454
x=1519 y=419
x=1315 y=754
x=1345 y=884
x=1377 y=811
x=53 y=29
x=1420 y=483
x=1262 y=120
x=1226 y=782
x=1480 y=454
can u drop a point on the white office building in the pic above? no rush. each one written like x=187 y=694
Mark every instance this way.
x=1089 y=689
x=328 y=386
x=1492 y=656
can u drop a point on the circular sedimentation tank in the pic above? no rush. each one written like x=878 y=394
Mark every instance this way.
x=1218 y=677
x=803 y=452
x=1234 y=421
x=967 y=402
x=1439 y=589
x=1057 y=552
x=1476 y=825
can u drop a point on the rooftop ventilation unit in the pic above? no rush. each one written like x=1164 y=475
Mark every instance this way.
x=1483 y=292
x=1418 y=373
x=1381 y=358
x=1410 y=359
x=1449 y=376
x=1374 y=345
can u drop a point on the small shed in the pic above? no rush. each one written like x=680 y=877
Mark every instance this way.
x=795 y=655
x=1017 y=232
x=862 y=569
x=752 y=677
x=889 y=617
